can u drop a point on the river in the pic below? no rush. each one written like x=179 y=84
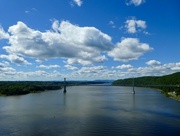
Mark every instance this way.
x=90 y=111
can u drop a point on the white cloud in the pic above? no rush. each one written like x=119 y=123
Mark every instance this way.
x=78 y=2
x=101 y=72
x=15 y=59
x=82 y=45
x=93 y=69
x=134 y=25
x=5 y=70
x=153 y=63
x=158 y=70
x=32 y=10
x=112 y=24
x=124 y=66
x=48 y=67
x=141 y=24
x=176 y=66
x=173 y=66
x=89 y=72
x=75 y=44
x=12 y=74
x=129 y=49
x=69 y=67
x=55 y=26
x=135 y=2
x=3 y=34
x=87 y=58
x=4 y=64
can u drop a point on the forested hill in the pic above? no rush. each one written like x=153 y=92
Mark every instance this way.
x=167 y=80
x=169 y=84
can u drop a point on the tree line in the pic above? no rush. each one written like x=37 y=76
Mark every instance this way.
x=167 y=83
x=25 y=87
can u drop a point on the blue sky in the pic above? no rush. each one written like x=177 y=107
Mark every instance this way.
x=88 y=39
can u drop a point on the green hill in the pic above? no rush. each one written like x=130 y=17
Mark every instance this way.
x=173 y=79
x=168 y=83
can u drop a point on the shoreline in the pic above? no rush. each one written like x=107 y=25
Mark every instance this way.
x=173 y=96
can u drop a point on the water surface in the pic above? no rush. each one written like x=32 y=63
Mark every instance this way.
x=90 y=111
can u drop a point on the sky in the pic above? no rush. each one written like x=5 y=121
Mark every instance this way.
x=49 y=40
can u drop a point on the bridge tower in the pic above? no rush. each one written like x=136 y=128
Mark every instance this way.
x=64 y=85
x=133 y=86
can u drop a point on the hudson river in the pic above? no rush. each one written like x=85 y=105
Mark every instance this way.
x=90 y=111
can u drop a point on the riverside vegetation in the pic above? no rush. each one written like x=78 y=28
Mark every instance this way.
x=168 y=84
x=24 y=87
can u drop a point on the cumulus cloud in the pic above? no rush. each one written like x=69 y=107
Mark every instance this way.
x=34 y=75
x=93 y=69
x=74 y=44
x=158 y=70
x=134 y=2
x=5 y=70
x=82 y=45
x=69 y=67
x=129 y=49
x=153 y=63
x=3 y=34
x=124 y=66
x=134 y=25
x=78 y=2
x=49 y=66
x=102 y=72
x=15 y=59
x=173 y=66
x=4 y=64
x=87 y=58
x=89 y=72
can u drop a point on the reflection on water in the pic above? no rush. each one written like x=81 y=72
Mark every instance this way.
x=90 y=110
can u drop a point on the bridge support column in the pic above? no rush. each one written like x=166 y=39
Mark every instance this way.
x=64 y=85
x=133 y=86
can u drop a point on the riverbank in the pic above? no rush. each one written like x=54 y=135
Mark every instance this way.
x=8 y=88
x=170 y=94
x=168 y=84
x=174 y=96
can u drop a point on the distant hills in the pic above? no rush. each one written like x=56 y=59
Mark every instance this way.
x=167 y=80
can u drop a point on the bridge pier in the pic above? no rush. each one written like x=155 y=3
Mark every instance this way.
x=64 y=85
x=133 y=86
